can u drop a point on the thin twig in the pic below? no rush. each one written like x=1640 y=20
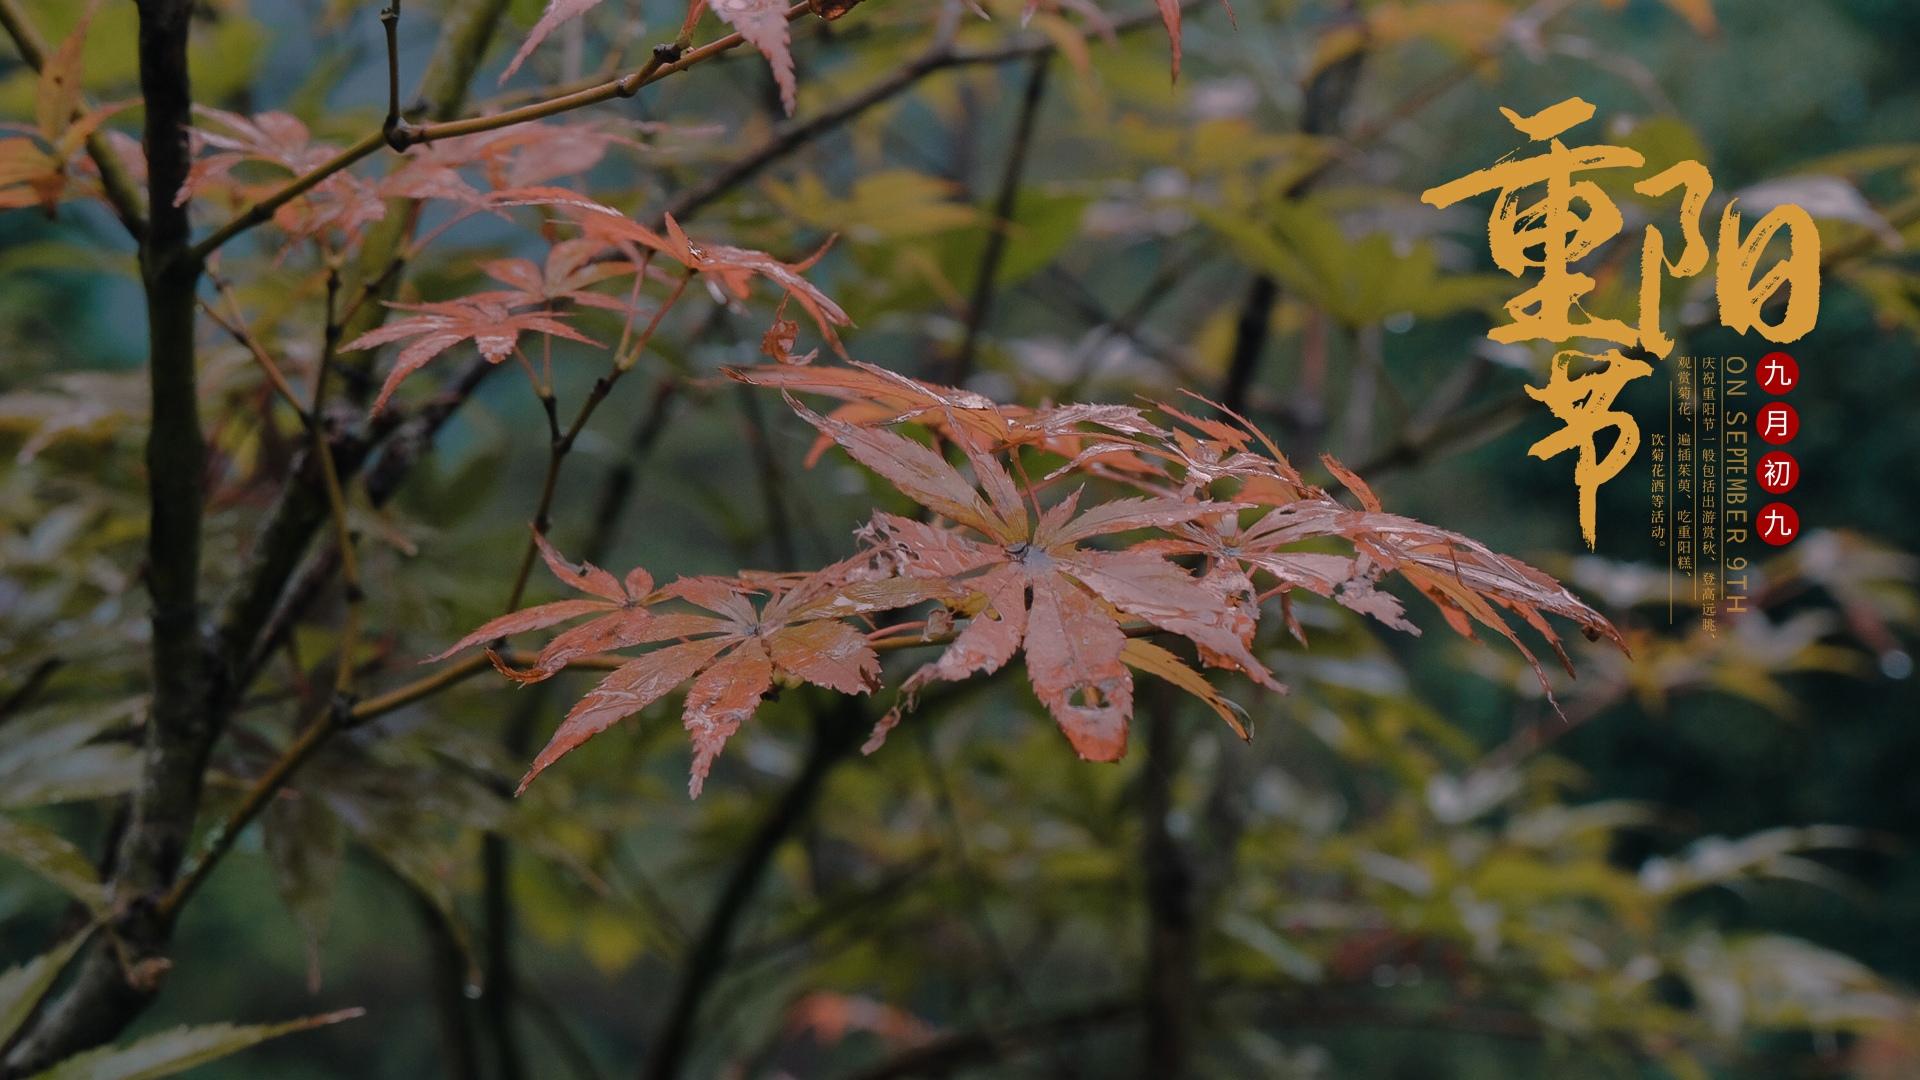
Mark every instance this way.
x=20 y=695
x=1326 y=96
x=448 y=974
x=662 y=64
x=502 y=983
x=392 y=127
x=988 y=273
x=1167 y=997
x=768 y=474
x=236 y=328
x=835 y=736
x=948 y=1054
x=975 y=900
x=562 y=442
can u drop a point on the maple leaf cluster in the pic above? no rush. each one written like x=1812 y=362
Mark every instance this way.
x=37 y=165
x=536 y=297
x=1209 y=521
x=242 y=159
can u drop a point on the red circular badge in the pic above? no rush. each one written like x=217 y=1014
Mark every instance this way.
x=1778 y=472
x=1777 y=523
x=1777 y=373
x=1777 y=422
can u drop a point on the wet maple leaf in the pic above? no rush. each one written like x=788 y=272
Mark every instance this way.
x=521 y=156
x=524 y=156
x=730 y=270
x=618 y=606
x=873 y=395
x=567 y=276
x=1170 y=16
x=1467 y=581
x=830 y=1017
x=1043 y=592
x=274 y=138
x=1268 y=548
x=436 y=327
x=342 y=201
x=764 y=24
x=732 y=656
x=1097 y=20
x=556 y=14
x=34 y=166
x=34 y=171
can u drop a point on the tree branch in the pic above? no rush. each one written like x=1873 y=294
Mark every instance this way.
x=197 y=682
x=390 y=25
x=402 y=136
x=940 y=56
x=1326 y=97
x=104 y=996
x=948 y=1053
x=17 y=698
x=502 y=983
x=836 y=734
x=1293 y=1011
x=989 y=271
x=447 y=976
x=1168 y=997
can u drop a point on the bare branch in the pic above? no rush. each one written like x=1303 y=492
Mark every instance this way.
x=989 y=270
x=400 y=136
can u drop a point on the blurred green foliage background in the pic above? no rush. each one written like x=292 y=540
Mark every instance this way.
x=1381 y=889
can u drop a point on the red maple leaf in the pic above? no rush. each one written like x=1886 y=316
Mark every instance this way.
x=34 y=166
x=873 y=395
x=436 y=327
x=273 y=138
x=618 y=606
x=557 y=12
x=764 y=24
x=799 y=633
x=732 y=652
x=567 y=276
x=777 y=343
x=730 y=270
x=1041 y=590
x=342 y=201
x=1467 y=581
